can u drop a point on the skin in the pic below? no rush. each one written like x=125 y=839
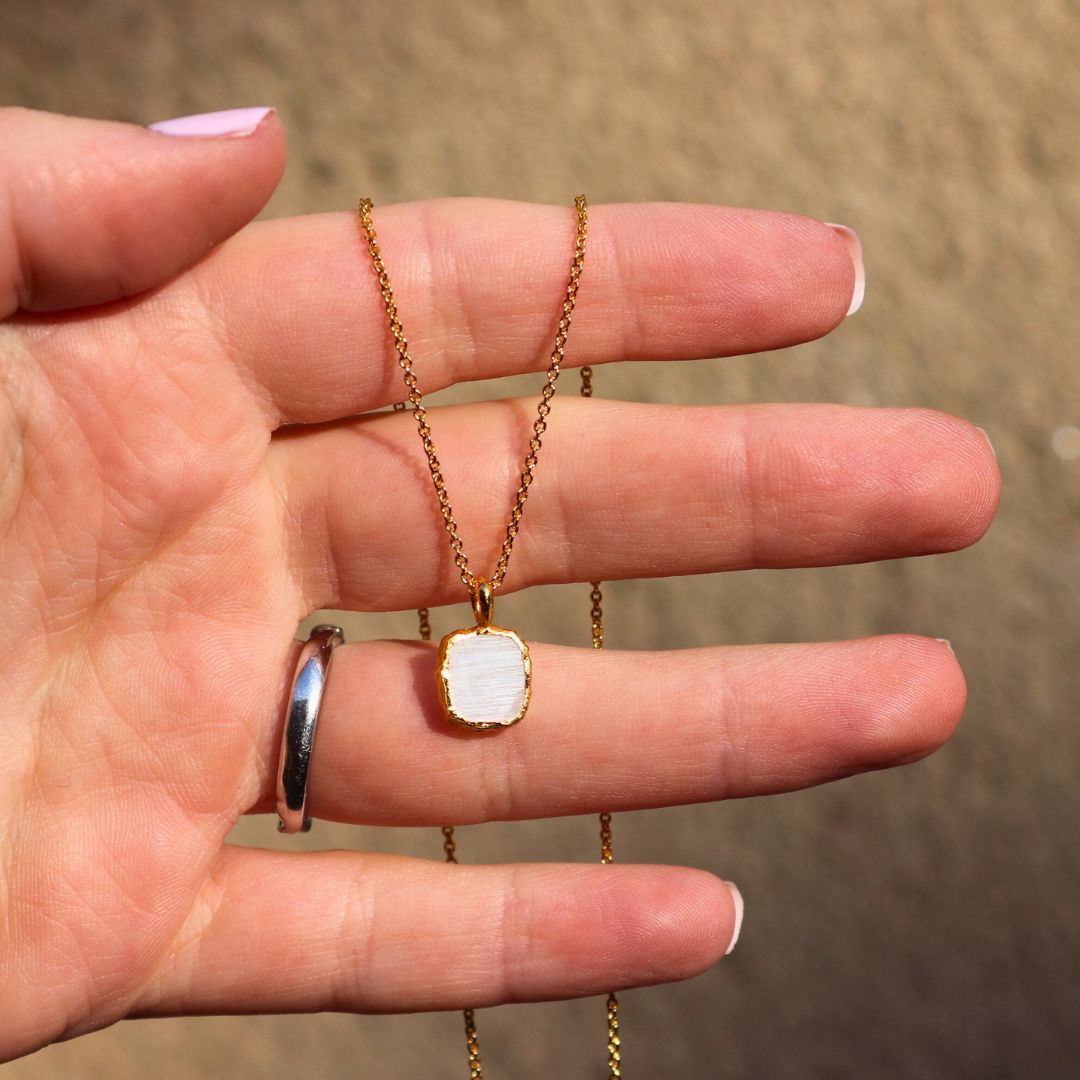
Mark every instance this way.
x=181 y=483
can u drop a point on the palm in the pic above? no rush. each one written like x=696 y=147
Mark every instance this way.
x=147 y=537
x=182 y=483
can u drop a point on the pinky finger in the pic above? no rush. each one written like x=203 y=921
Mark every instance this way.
x=303 y=932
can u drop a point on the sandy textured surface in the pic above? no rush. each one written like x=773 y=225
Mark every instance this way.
x=914 y=923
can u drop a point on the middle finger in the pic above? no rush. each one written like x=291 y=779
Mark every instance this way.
x=626 y=490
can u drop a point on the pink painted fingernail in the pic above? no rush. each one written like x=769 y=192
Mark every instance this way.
x=854 y=247
x=737 y=899
x=229 y=122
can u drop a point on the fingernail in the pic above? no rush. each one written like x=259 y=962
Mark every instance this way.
x=737 y=899
x=947 y=643
x=854 y=247
x=982 y=432
x=215 y=124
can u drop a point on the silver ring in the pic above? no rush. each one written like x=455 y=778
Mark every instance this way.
x=298 y=736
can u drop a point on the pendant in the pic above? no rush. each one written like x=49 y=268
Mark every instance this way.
x=484 y=674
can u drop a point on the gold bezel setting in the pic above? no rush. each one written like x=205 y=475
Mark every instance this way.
x=442 y=677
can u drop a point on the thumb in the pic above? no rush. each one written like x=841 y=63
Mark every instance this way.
x=92 y=210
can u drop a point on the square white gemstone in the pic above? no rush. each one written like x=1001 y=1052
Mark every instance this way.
x=485 y=677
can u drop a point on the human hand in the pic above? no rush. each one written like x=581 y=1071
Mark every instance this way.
x=166 y=526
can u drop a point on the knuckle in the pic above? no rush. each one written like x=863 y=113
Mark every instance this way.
x=515 y=937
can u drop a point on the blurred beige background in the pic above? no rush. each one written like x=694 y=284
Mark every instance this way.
x=914 y=923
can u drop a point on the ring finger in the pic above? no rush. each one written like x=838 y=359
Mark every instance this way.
x=621 y=730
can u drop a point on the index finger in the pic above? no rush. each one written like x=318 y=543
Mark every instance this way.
x=479 y=286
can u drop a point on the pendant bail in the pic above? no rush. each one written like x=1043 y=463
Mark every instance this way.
x=483 y=601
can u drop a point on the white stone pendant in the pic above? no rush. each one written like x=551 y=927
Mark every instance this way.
x=484 y=673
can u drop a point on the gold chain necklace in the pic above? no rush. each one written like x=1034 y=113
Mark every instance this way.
x=484 y=672
x=482 y=590
x=472 y=1036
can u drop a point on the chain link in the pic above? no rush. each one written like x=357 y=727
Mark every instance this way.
x=597 y=615
x=472 y=1045
x=586 y=381
x=449 y=844
x=614 y=1046
x=606 y=855
x=543 y=408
